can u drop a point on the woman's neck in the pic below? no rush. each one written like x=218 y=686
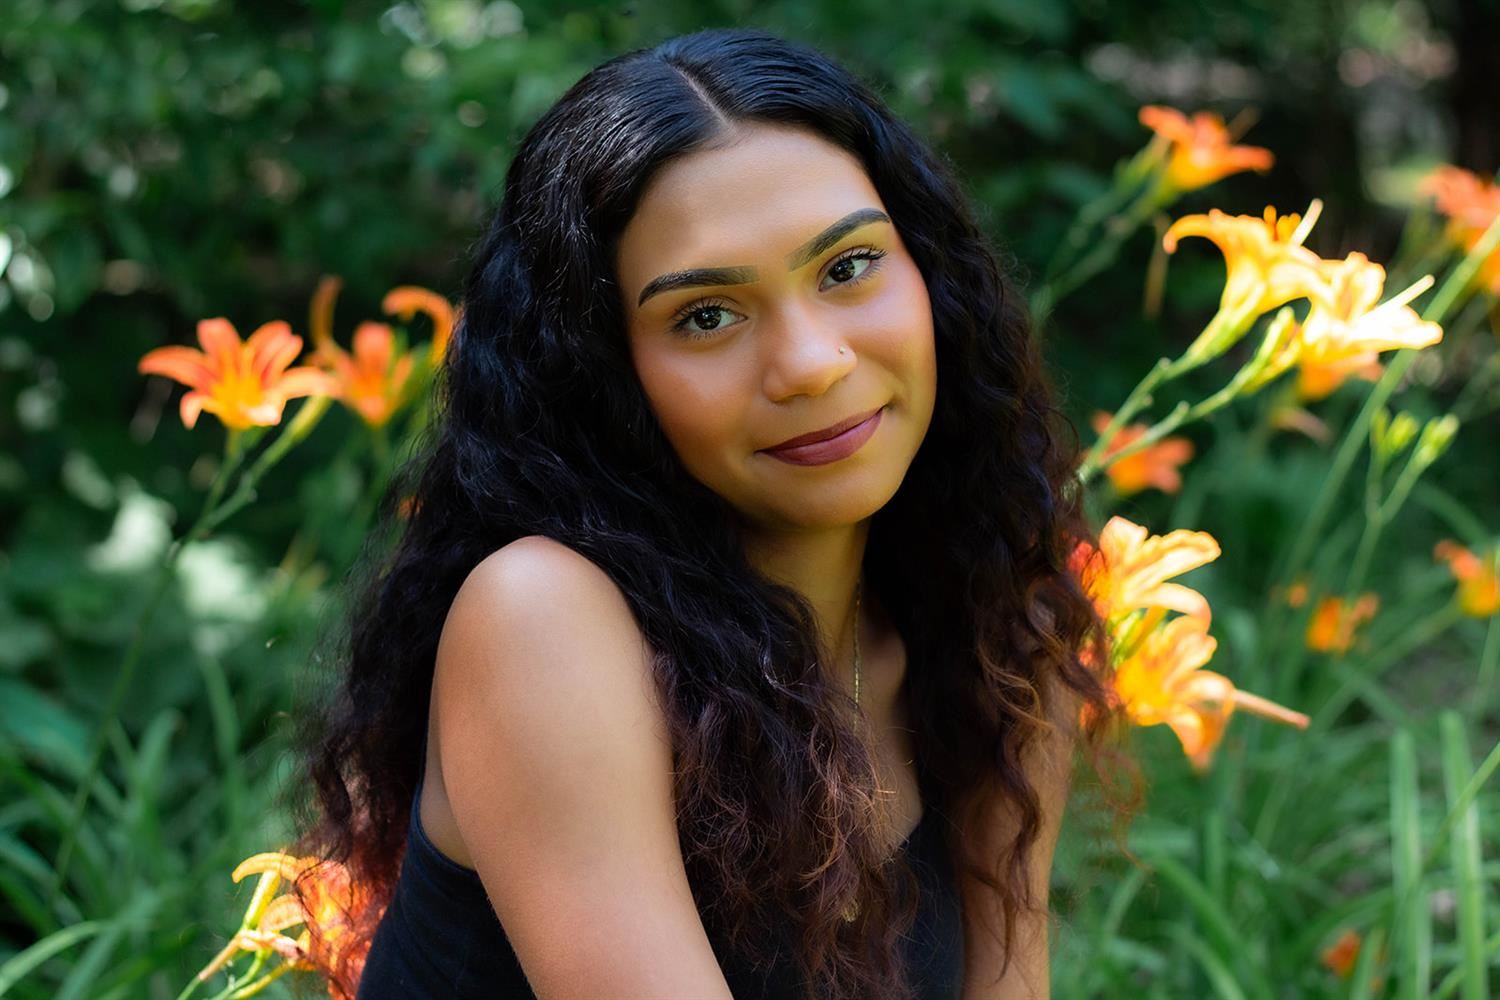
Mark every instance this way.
x=823 y=566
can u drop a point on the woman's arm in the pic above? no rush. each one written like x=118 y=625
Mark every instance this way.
x=1050 y=771
x=557 y=763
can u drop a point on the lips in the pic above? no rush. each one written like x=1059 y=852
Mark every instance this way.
x=826 y=433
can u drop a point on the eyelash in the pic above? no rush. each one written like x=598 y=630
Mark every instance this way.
x=680 y=320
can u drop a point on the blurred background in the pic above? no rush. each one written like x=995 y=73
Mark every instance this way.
x=163 y=161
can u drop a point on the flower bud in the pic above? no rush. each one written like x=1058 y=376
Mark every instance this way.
x=1436 y=436
x=1389 y=436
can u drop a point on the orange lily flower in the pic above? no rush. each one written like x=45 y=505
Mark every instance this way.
x=1342 y=955
x=1154 y=466
x=1345 y=330
x=371 y=382
x=1160 y=681
x=1339 y=957
x=1471 y=203
x=1317 y=381
x=406 y=301
x=325 y=903
x=1201 y=152
x=1130 y=570
x=243 y=383
x=1157 y=676
x=1478 y=584
x=1334 y=622
x=1267 y=266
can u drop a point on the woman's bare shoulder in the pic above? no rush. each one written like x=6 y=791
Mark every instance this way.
x=557 y=762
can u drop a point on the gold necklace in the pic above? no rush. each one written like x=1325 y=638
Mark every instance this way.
x=851 y=911
x=857 y=588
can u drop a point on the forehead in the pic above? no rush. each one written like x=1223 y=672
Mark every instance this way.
x=751 y=201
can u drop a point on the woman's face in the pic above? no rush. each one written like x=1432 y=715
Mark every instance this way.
x=768 y=297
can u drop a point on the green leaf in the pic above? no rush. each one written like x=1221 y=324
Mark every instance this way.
x=21 y=965
x=1467 y=857
x=1411 y=923
x=1223 y=928
x=1218 y=973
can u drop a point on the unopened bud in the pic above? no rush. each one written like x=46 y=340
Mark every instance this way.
x=1437 y=435
x=1389 y=436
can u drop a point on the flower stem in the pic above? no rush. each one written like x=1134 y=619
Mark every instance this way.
x=250 y=989
x=1139 y=397
x=1181 y=414
x=1354 y=438
x=1117 y=228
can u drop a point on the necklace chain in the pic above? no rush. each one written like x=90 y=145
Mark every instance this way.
x=851 y=911
x=857 y=588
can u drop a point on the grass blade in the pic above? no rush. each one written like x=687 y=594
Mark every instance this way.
x=18 y=966
x=1411 y=924
x=1366 y=965
x=1226 y=936
x=1219 y=976
x=1467 y=858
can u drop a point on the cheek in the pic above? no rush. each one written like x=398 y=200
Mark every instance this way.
x=695 y=400
x=902 y=333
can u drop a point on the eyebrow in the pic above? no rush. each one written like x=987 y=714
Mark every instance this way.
x=743 y=275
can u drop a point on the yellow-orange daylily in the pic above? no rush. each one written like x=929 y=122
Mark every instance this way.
x=1471 y=203
x=1317 y=380
x=244 y=384
x=1158 y=676
x=1478 y=584
x=1334 y=622
x=1154 y=466
x=1159 y=680
x=372 y=381
x=1131 y=567
x=406 y=301
x=1266 y=266
x=1200 y=148
x=329 y=906
x=1345 y=329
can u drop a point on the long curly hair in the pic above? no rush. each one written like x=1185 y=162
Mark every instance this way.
x=541 y=427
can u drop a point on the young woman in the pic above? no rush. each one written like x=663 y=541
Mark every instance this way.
x=729 y=649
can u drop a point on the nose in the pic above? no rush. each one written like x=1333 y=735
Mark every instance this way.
x=803 y=356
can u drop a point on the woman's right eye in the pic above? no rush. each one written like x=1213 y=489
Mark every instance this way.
x=700 y=319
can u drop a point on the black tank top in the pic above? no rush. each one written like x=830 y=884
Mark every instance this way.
x=441 y=938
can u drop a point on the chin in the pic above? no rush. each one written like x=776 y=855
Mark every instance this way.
x=837 y=503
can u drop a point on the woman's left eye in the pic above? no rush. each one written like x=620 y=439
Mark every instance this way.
x=847 y=269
